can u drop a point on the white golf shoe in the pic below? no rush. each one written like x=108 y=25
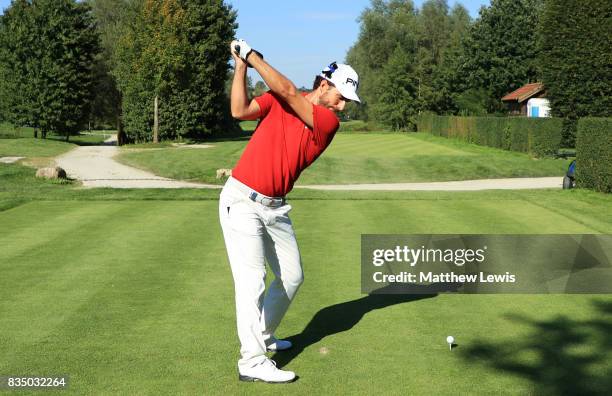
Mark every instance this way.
x=265 y=371
x=275 y=345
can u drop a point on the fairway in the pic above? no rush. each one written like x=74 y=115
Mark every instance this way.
x=135 y=296
x=360 y=158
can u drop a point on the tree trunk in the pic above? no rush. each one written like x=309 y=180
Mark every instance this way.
x=156 y=122
x=121 y=138
x=36 y=133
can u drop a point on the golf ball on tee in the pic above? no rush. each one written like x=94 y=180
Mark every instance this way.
x=450 y=339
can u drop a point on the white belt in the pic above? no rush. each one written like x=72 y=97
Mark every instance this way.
x=272 y=202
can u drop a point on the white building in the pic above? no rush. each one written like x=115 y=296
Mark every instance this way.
x=538 y=107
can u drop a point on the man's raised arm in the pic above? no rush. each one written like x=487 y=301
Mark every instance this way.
x=277 y=83
x=241 y=108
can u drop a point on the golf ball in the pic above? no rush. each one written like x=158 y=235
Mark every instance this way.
x=450 y=339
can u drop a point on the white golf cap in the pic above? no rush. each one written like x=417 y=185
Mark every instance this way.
x=345 y=79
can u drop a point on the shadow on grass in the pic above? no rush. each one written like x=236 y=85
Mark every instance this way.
x=561 y=356
x=341 y=317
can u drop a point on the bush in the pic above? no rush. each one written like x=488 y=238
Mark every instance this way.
x=545 y=136
x=594 y=154
x=569 y=133
x=361 y=126
x=537 y=136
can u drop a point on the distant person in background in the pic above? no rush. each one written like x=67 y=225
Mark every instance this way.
x=294 y=129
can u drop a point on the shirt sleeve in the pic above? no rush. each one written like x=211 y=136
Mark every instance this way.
x=325 y=125
x=265 y=104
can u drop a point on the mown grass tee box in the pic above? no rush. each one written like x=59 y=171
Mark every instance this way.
x=131 y=290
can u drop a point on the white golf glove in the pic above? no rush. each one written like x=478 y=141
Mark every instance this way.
x=243 y=49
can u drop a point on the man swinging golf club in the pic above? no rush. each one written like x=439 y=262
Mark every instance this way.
x=293 y=130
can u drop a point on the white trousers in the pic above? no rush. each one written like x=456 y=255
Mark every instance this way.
x=254 y=234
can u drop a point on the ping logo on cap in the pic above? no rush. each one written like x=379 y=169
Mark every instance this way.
x=353 y=82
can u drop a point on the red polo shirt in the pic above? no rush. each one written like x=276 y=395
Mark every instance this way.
x=283 y=146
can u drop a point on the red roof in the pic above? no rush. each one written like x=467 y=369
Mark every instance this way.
x=523 y=93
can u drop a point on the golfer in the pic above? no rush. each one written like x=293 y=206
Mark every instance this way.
x=294 y=129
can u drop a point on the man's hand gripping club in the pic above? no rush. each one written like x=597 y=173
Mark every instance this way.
x=277 y=83
x=243 y=50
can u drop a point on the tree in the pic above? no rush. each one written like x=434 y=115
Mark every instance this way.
x=13 y=57
x=112 y=17
x=445 y=85
x=575 y=58
x=385 y=26
x=500 y=51
x=47 y=55
x=175 y=51
x=430 y=39
x=397 y=92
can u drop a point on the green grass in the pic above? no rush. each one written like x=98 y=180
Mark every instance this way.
x=30 y=147
x=86 y=138
x=362 y=158
x=8 y=130
x=53 y=146
x=129 y=291
x=185 y=163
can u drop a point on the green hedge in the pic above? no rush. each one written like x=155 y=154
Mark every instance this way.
x=537 y=136
x=361 y=126
x=594 y=154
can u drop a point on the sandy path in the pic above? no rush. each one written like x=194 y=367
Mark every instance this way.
x=464 y=185
x=94 y=166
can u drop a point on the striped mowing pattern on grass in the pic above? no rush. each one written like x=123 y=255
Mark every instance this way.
x=386 y=146
x=136 y=297
x=102 y=285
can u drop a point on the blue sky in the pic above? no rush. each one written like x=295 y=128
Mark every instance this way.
x=300 y=37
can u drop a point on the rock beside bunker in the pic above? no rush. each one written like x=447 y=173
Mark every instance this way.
x=51 y=173
x=223 y=173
